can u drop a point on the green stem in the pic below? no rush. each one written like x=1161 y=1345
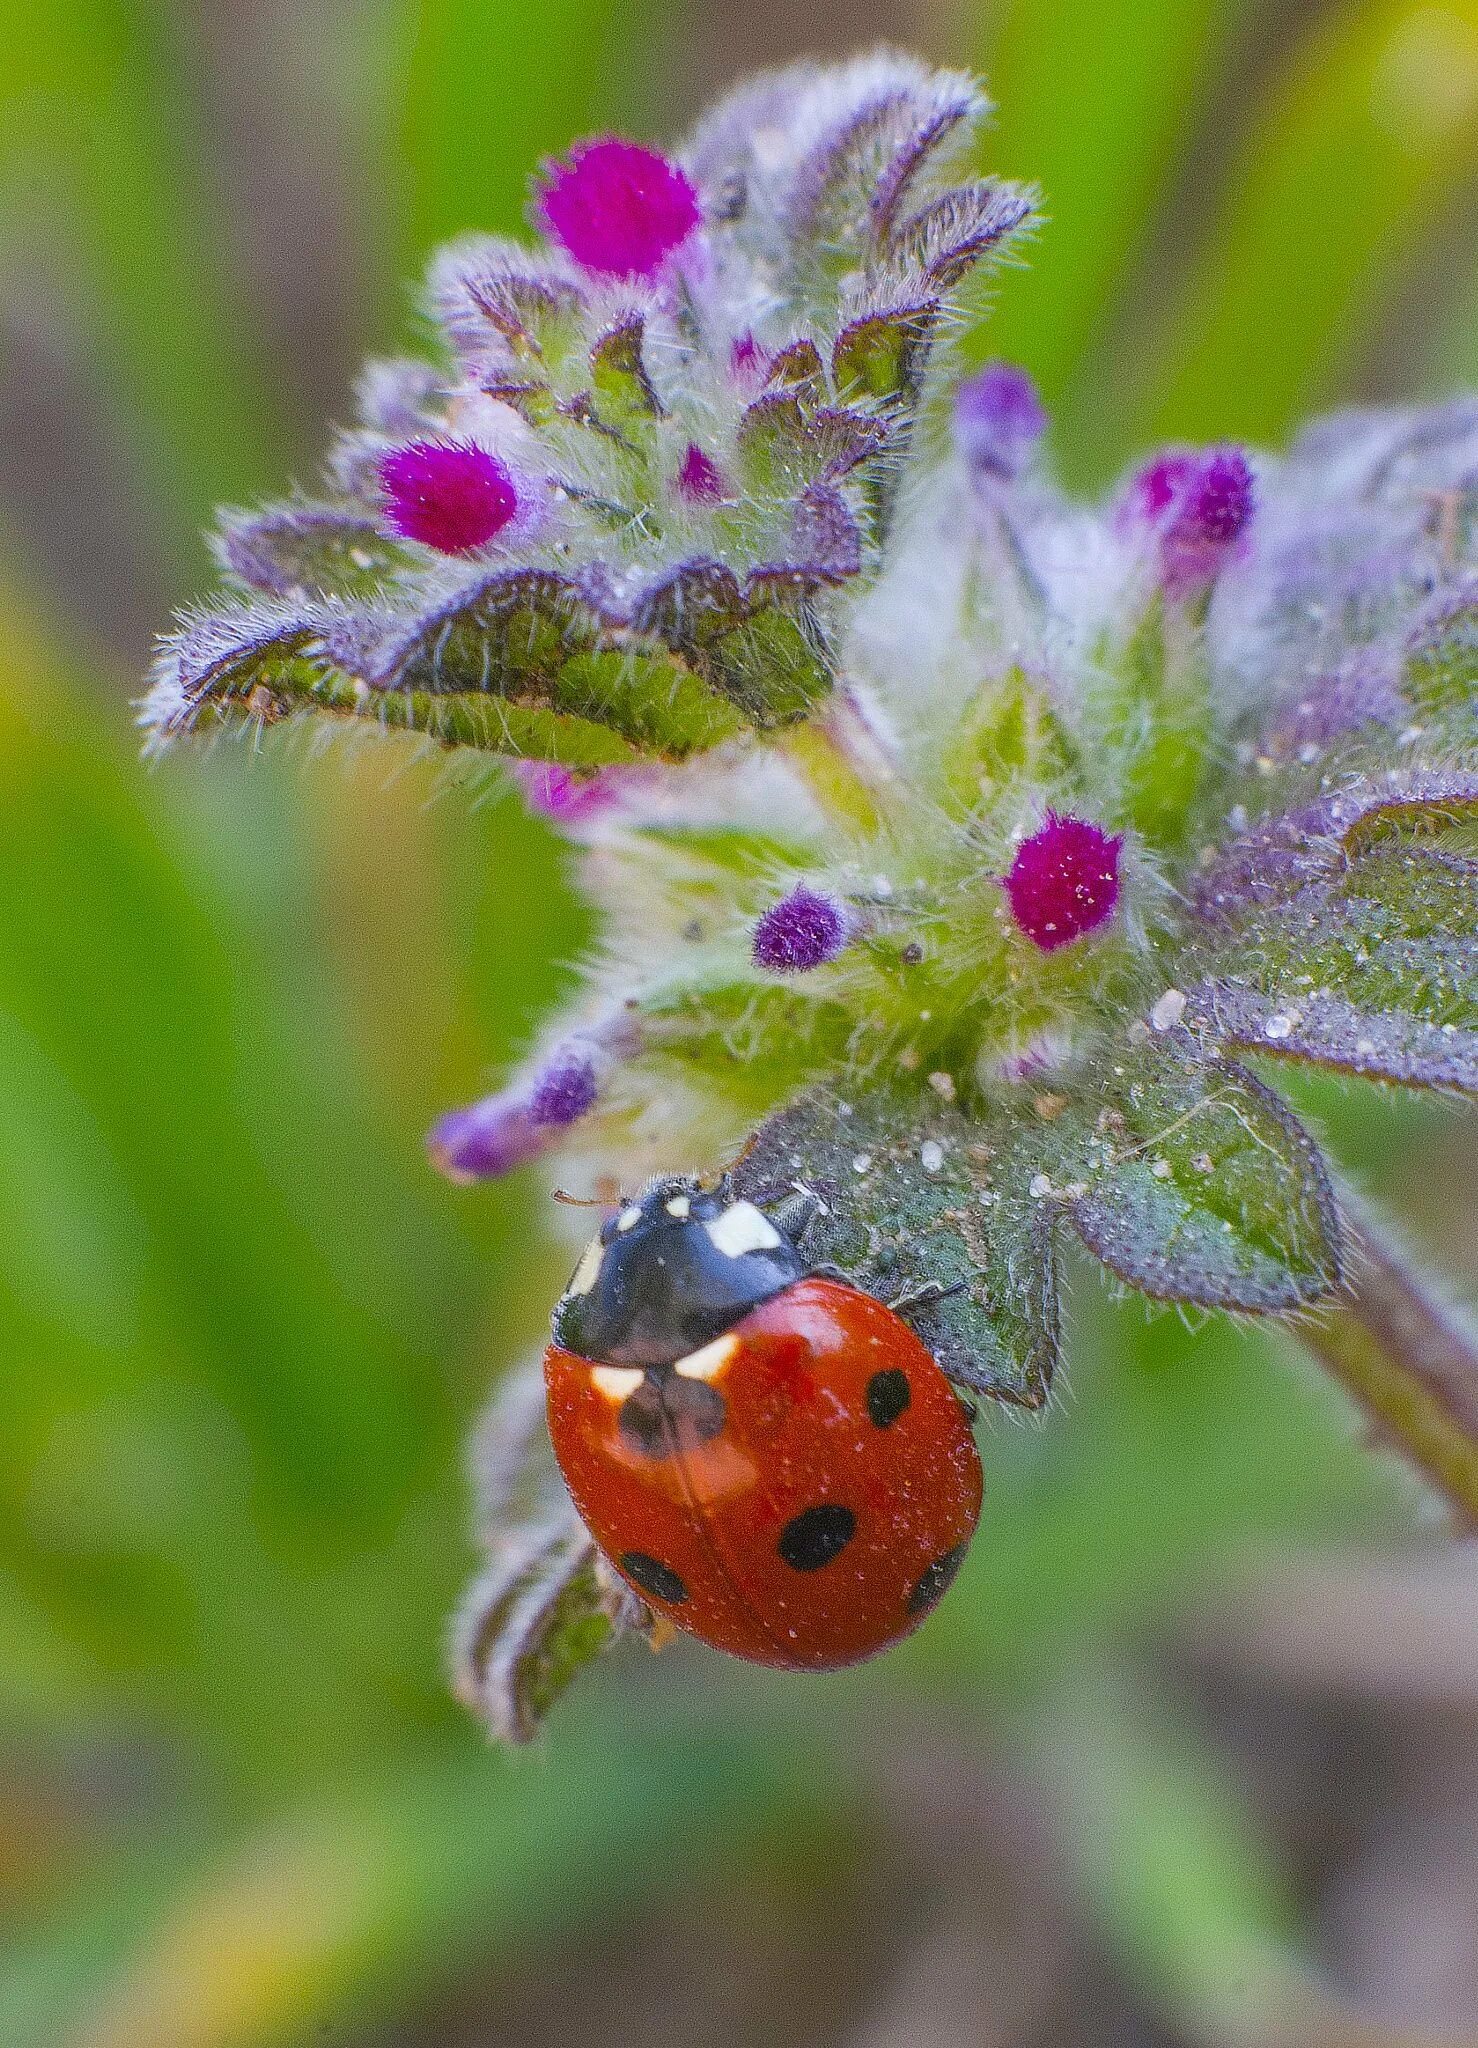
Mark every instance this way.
x=846 y=764
x=1409 y=1358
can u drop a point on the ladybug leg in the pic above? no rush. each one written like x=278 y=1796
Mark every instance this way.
x=796 y=1212
x=924 y=1296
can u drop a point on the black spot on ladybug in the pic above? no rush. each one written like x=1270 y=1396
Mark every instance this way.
x=888 y=1394
x=935 y=1582
x=696 y=1411
x=642 y=1422
x=816 y=1535
x=660 y=1580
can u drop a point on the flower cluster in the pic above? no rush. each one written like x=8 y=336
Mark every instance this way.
x=950 y=840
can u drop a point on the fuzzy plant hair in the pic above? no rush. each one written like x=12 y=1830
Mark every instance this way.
x=967 y=855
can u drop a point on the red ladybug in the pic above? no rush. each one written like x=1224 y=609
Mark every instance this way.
x=771 y=1458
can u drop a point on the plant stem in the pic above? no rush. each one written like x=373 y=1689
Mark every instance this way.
x=1410 y=1359
x=845 y=763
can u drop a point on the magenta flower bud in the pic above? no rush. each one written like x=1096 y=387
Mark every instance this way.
x=617 y=208
x=1200 y=503
x=699 y=478
x=449 y=495
x=565 y=1091
x=999 y=420
x=803 y=930
x=747 y=359
x=1064 y=881
x=1209 y=521
x=1157 y=487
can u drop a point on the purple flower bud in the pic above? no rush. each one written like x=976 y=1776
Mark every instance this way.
x=1064 y=881
x=617 y=208
x=1209 y=520
x=999 y=420
x=449 y=495
x=803 y=930
x=565 y=1091
x=1199 y=504
x=485 y=1140
x=507 y=1130
x=699 y=478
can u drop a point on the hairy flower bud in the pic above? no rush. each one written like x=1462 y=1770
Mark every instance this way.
x=999 y=419
x=449 y=495
x=1198 y=504
x=1064 y=881
x=617 y=208
x=803 y=930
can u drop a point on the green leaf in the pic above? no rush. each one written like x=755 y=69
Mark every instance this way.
x=1372 y=971
x=1201 y=1186
x=881 y=355
x=302 y=550
x=1441 y=673
x=914 y=1194
x=622 y=396
x=542 y=1607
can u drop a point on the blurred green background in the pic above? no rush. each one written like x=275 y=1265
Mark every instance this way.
x=1189 y=1754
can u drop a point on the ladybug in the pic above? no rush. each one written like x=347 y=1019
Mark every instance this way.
x=767 y=1455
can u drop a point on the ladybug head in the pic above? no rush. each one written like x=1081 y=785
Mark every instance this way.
x=669 y=1273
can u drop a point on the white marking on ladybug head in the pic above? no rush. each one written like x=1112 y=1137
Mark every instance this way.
x=588 y=1270
x=708 y=1363
x=741 y=1228
x=617 y=1382
x=680 y=1205
x=628 y=1220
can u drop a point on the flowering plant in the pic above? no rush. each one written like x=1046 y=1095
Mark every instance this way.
x=953 y=843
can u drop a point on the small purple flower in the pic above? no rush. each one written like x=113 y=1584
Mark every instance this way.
x=1064 y=881
x=449 y=495
x=803 y=930
x=999 y=420
x=699 y=478
x=1199 y=504
x=565 y=1091
x=617 y=208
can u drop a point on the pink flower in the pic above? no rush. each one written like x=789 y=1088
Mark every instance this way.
x=619 y=209
x=1064 y=881
x=449 y=495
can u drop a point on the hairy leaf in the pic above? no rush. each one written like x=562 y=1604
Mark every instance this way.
x=1200 y=1186
x=299 y=550
x=1355 y=947
x=913 y=1195
x=543 y=1605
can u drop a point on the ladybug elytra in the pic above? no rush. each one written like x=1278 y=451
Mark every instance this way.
x=770 y=1457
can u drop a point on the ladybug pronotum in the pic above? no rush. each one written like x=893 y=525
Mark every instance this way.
x=769 y=1457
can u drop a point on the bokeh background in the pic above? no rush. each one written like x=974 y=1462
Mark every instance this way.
x=1190 y=1756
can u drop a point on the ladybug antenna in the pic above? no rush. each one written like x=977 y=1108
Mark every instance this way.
x=602 y=1201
